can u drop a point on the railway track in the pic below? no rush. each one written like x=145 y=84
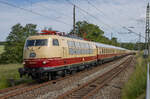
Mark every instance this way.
x=20 y=89
x=16 y=91
x=88 y=89
x=6 y=91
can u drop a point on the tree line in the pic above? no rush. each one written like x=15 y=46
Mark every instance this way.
x=13 y=47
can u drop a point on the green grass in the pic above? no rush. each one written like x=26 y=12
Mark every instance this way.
x=1 y=49
x=10 y=71
x=136 y=86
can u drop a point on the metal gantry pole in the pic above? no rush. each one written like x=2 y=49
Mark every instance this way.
x=139 y=43
x=147 y=29
x=74 y=20
x=148 y=84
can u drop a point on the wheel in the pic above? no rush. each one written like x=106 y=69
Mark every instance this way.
x=73 y=72
x=53 y=75
x=64 y=73
x=87 y=67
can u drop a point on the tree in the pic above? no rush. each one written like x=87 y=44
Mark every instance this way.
x=129 y=45
x=90 y=31
x=114 y=42
x=15 y=43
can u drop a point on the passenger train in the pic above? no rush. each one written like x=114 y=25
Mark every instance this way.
x=51 y=53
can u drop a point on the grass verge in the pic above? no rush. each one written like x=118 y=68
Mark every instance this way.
x=10 y=72
x=1 y=49
x=136 y=86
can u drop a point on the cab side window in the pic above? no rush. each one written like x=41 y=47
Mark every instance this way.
x=55 y=42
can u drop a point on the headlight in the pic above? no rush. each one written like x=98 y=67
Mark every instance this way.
x=44 y=62
x=23 y=63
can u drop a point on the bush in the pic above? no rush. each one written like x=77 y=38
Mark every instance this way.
x=13 y=47
x=137 y=83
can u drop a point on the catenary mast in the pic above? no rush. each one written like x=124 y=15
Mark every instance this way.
x=147 y=38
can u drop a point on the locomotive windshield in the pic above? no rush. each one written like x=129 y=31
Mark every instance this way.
x=39 y=42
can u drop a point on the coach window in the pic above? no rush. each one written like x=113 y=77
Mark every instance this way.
x=71 y=51
x=72 y=44
x=77 y=45
x=55 y=42
x=103 y=51
x=81 y=44
x=88 y=48
x=78 y=51
x=69 y=43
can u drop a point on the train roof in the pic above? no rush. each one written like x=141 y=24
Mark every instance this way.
x=97 y=44
x=108 y=46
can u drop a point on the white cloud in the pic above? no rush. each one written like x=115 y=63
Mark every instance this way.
x=114 y=15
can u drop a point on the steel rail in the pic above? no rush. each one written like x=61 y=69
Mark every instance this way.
x=85 y=90
x=11 y=88
x=107 y=81
x=8 y=90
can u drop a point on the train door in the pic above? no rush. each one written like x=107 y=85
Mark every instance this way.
x=57 y=51
x=64 y=52
x=64 y=48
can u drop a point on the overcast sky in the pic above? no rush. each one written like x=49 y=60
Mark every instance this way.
x=110 y=15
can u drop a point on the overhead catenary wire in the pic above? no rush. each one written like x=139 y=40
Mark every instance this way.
x=98 y=11
x=105 y=15
x=120 y=9
x=101 y=12
x=95 y=7
x=55 y=19
x=33 y=12
x=130 y=31
x=47 y=8
x=81 y=9
x=94 y=17
x=83 y=16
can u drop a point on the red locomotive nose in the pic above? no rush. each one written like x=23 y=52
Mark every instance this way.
x=36 y=63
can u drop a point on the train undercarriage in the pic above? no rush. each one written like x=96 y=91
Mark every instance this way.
x=51 y=73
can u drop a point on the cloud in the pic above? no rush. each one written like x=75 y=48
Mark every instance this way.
x=112 y=15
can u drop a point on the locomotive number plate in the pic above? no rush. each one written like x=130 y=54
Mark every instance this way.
x=32 y=62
